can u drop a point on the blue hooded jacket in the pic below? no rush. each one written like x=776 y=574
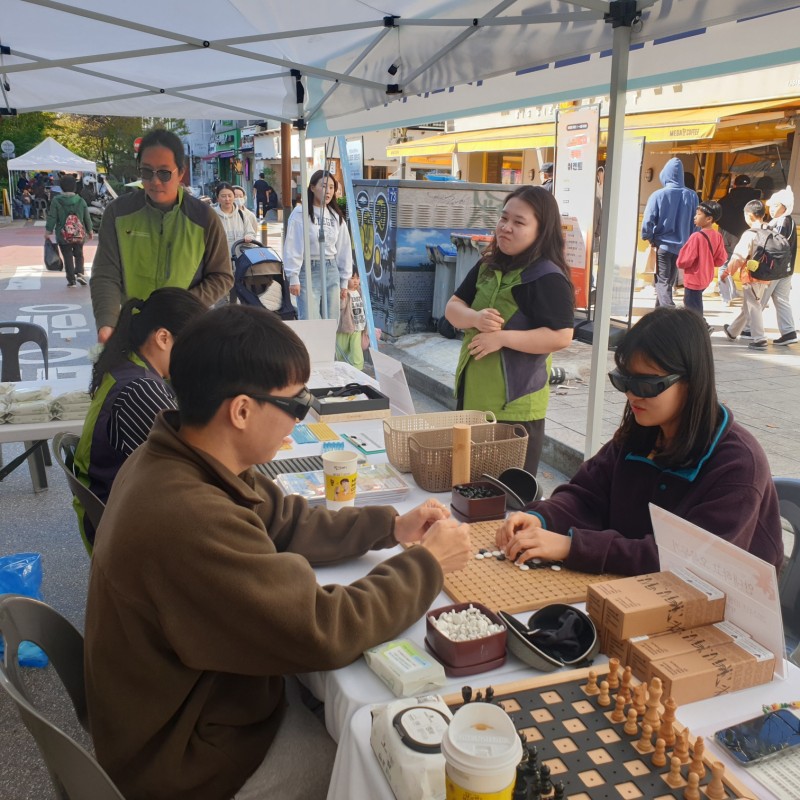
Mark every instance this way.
x=669 y=215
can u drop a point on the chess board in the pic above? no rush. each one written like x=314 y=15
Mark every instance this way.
x=500 y=585
x=575 y=737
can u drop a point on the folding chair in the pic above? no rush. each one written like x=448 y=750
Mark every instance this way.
x=789 y=580
x=12 y=336
x=73 y=770
x=64 y=447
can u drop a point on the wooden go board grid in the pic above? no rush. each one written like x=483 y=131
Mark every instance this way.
x=593 y=756
x=500 y=585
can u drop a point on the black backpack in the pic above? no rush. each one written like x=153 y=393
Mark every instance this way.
x=774 y=256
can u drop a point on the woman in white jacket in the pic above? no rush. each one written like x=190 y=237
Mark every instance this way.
x=338 y=257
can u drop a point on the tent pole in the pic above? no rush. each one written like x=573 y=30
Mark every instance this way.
x=611 y=193
x=313 y=313
x=355 y=233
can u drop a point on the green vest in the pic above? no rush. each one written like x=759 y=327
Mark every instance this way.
x=484 y=382
x=159 y=248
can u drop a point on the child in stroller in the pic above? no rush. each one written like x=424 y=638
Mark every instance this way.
x=259 y=280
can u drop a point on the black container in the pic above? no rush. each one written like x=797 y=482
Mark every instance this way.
x=375 y=400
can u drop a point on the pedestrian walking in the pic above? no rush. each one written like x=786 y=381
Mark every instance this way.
x=69 y=217
x=667 y=225
x=732 y=226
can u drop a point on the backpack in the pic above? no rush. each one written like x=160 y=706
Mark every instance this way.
x=773 y=253
x=73 y=231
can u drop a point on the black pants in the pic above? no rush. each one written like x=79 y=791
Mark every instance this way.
x=666 y=277
x=73 y=260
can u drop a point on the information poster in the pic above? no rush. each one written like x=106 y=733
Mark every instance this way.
x=355 y=157
x=577 y=134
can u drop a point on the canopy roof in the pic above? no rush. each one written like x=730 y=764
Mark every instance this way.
x=353 y=68
x=50 y=155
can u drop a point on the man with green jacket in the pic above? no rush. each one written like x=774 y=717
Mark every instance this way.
x=69 y=217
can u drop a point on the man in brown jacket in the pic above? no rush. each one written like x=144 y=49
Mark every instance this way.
x=202 y=594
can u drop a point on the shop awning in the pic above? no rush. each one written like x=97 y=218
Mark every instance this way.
x=679 y=125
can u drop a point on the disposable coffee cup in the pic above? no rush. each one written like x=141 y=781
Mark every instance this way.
x=481 y=750
x=340 y=468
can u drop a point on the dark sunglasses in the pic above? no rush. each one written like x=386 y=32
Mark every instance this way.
x=164 y=175
x=642 y=385
x=296 y=407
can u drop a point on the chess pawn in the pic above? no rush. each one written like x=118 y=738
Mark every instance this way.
x=545 y=786
x=591 y=686
x=645 y=744
x=613 y=673
x=716 y=789
x=631 y=726
x=659 y=754
x=674 y=778
x=604 y=698
x=558 y=794
x=625 y=686
x=697 y=766
x=618 y=714
x=667 y=730
x=692 y=790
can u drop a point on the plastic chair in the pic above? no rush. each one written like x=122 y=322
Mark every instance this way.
x=73 y=770
x=789 y=580
x=11 y=343
x=64 y=447
x=39 y=208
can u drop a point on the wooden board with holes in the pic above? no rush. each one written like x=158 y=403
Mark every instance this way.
x=500 y=585
x=575 y=737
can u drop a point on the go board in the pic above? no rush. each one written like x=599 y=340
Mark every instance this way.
x=592 y=755
x=500 y=585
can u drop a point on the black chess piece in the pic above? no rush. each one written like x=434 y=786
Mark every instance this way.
x=559 y=791
x=523 y=741
x=489 y=694
x=466 y=693
x=533 y=759
x=479 y=696
x=521 y=784
x=545 y=786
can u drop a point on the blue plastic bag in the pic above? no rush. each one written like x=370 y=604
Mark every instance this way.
x=21 y=573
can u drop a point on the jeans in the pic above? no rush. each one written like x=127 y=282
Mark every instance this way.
x=332 y=292
x=666 y=277
x=693 y=299
x=73 y=260
x=779 y=292
x=26 y=210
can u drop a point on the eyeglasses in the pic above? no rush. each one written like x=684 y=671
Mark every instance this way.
x=296 y=407
x=164 y=175
x=642 y=385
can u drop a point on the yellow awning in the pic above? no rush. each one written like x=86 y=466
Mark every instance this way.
x=492 y=140
x=425 y=147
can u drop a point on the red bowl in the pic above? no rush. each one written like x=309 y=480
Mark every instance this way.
x=469 y=653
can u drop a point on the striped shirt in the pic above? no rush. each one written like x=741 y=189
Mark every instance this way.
x=134 y=412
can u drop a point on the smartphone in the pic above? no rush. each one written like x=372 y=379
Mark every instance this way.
x=763 y=737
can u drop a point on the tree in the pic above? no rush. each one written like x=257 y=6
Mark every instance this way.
x=26 y=130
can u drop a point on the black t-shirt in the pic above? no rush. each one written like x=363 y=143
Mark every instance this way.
x=547 y=302
x=261 y=188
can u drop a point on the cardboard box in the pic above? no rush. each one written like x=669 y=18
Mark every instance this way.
x=614 y=647
x=375 y=406
x=660 y=602
x=698 y=675
x=643 y=650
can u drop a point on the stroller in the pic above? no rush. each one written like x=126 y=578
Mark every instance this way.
x=259 y=280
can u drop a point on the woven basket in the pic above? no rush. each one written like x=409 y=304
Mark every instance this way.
x=495 y=448
x=396 y=430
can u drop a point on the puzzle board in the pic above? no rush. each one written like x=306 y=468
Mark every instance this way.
x=500 y=585
x=593 y=756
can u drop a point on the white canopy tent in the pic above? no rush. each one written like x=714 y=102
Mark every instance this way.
x=50 y=155
x=341 y=67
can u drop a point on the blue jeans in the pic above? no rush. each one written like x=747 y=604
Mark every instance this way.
x=693 y=299
x=332 y=291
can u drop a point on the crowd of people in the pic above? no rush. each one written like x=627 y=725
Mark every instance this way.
x=202 y=597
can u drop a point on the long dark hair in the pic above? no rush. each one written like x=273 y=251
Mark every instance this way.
x=677 y=340
x=549 y=242
x=333 y=206
x=169 y=308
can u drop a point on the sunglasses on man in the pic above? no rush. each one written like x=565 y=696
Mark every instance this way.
x=643 y=386
x=163 y=175
x=296 y=407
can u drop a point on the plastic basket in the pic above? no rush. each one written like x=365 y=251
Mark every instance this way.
x=396 y=430
x=495 y=448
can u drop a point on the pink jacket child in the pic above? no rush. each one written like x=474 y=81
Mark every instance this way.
x=704 y=250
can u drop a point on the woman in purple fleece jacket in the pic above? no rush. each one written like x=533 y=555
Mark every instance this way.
x=677 y=447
